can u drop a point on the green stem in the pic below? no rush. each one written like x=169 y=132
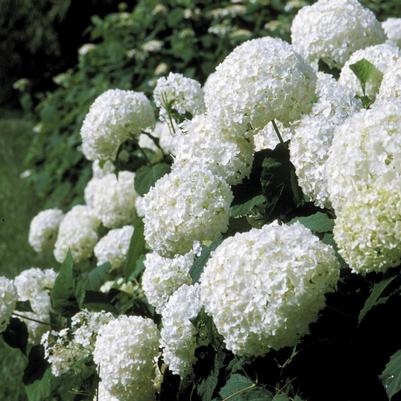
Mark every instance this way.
x=31 y=319
x=277 y=131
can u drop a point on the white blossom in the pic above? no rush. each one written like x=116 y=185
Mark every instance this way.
x=8 y=300
x=390 y=87
x=392 y=28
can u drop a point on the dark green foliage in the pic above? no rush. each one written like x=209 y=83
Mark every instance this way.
x=16 y=334
x=146 y=176
x=391 y=376
x=135 y=251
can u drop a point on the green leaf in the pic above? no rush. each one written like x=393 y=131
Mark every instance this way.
x=97 y=301
x=16 y=334
x=391 y=375
x=138 y=270
x=200 y=262
x=23 y=306
x=365 y=71
x=37 y=365
x=136 y=249
x=317 y=223
x=207 y=387
x=63 y=293
x=281 y=397
x=240 y=388
x=244 y=208
x=146 y=176
x=374 y=297
x=41 y=389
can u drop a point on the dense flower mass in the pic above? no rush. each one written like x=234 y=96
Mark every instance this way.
x=260 y=80
x=187 y=205
x=163 y=276
x=264 y=287
x=200 y=144
x=8 y=300
x=365 y=153
x=112 y=198
x=43 y=229
x=331 y=30
x=77 y=233
x=367 y=231
x=178 y=335
x=124 y=352
x=392 y=28
x=114 y=116
x=113 y=247
x=382 y=57
x=267 y=137
x=390 y=87
x=179 y=94
x=313 y=136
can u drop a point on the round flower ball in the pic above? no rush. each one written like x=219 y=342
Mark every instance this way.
x=189 y=204
x=367 y=231
x=124 y=352
x=77 y=233
x=8 y=300
x=264 y=287
x=31 y=282
x=390 y=87
x=112 y=198
x=178 y=335
x=113 y=247
x=365 y=153
x=163 y=276
x=331 y=30
x=43 y=229
x=182 y=95
x=200 y=144
x=382 y=56
x=260 y=80
x=115 y=116
x=392 y=29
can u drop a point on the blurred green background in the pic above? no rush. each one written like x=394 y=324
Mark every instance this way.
x=56 y=56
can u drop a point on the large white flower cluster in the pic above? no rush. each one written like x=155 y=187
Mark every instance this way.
x=77 y=233
x=392 y=28
x=124 y=352
x=112 y=198
x=313 y=136
x=200 y=144
x=8 y=300
x=102 y=168
x=43 y=229
x=390 y=87
x=260 y=80
x=381 y=56
x=114 y=116
x=113 y=247
x=163 y=276
x=331 y=30
x=34 y=285
x=181 y=94
x=189 y=204
x=178 y=335
x=365 y=153
x=264 y=287
x=367 y=231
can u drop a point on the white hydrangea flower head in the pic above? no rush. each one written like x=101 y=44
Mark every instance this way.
x=382 y=56
x=367 y=231
x=317 y=34
x=31 y=282
x=178 y=335
x=189 y=204
x=146 y=142
x=113 y=247
x=102 y=168
x=260 y=80
x=264 y=287
x=124 y=352
x=167 y=139
x=43 y=229
x=184 y=95
x=103 y=394
x=163 y=276
x=115 y=116
x=390 y=87
x=200 y=144
x=8 y=300
x=91 y=190
x=85 y=326
x=77 y=233
x=392 y=29
x=139 y=206
x=313 y=136
x=365 y=153
x=113 y=199
x=267 y=138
